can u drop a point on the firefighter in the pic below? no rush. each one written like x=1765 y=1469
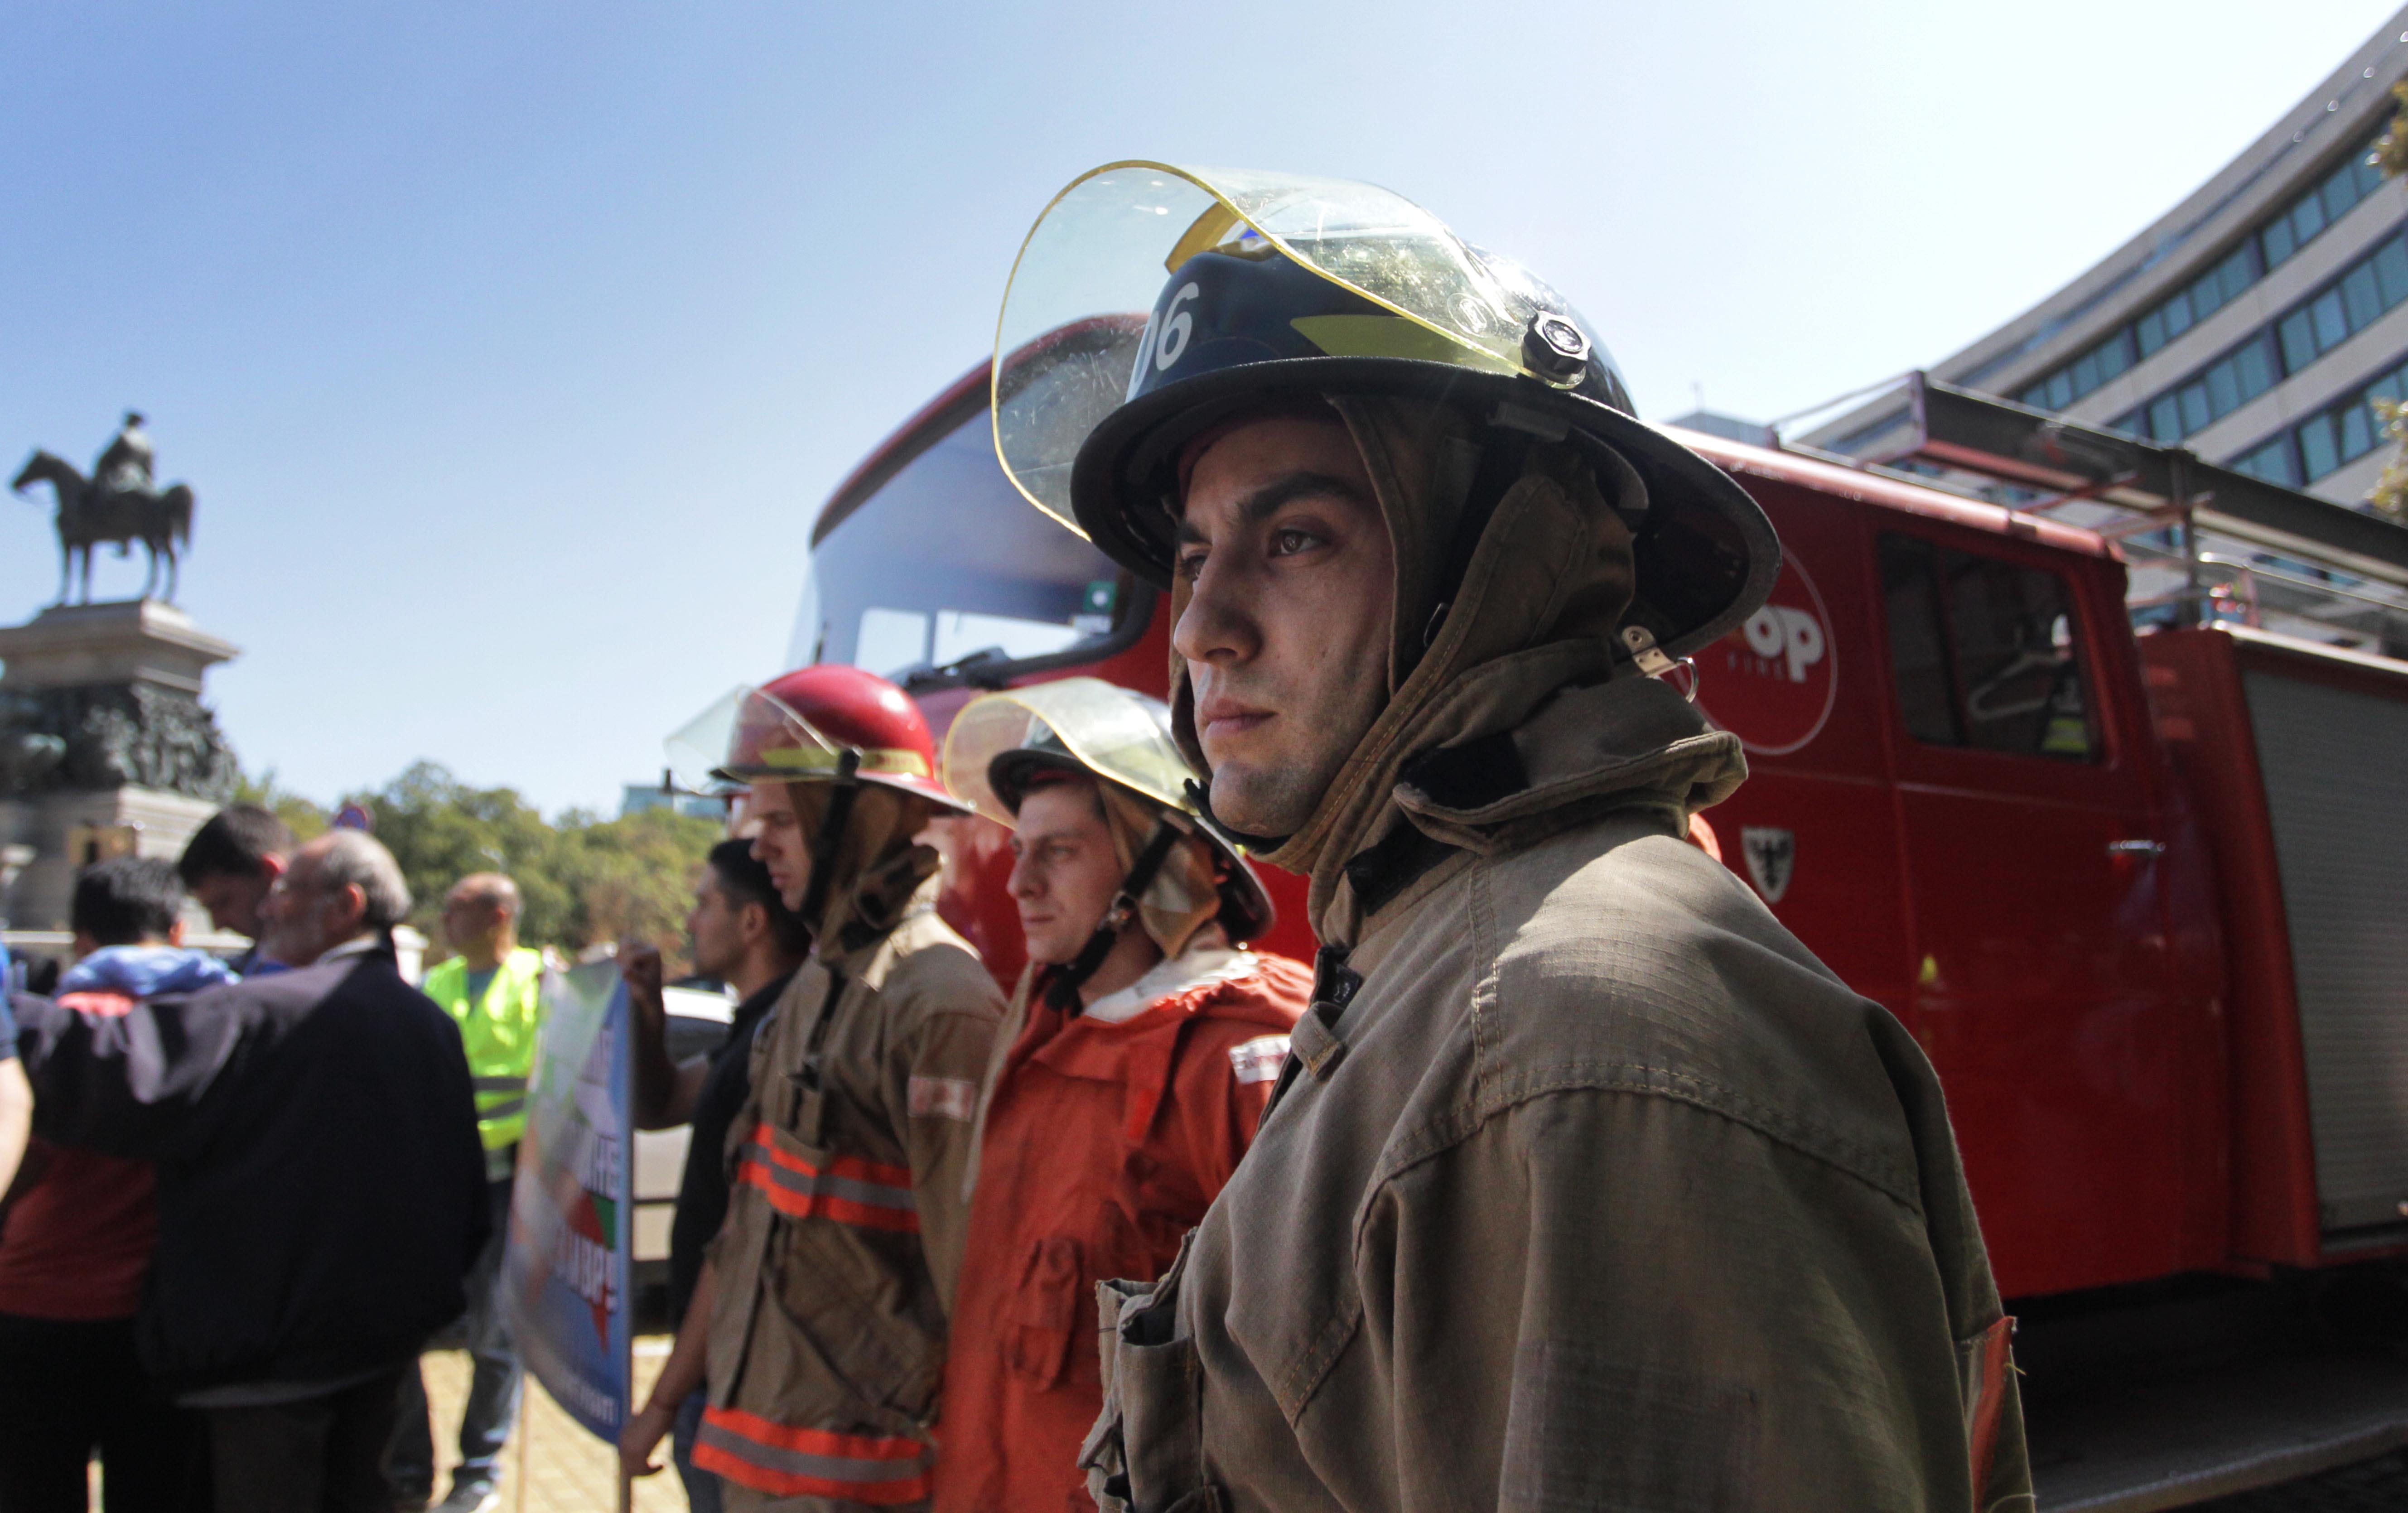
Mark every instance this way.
x=1585 y=1184
x=1142 y=1046
x=829 y=1284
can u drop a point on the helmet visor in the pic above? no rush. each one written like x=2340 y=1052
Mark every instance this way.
x=697 y=750
x=1096 y=725
x=1081 y=317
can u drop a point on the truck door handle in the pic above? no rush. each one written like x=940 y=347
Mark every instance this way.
x=2136 y=848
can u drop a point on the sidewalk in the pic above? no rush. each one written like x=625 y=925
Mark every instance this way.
x=552 y=1465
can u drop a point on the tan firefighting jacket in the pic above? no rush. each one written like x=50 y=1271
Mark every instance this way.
x=845 y=1221
x=1586 y=1186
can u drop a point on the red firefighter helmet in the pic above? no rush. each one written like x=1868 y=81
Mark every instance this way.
x=814 y=723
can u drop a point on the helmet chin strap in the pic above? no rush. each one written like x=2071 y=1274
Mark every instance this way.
x=831 y=836
x=1063 y=993
x=1201 y=796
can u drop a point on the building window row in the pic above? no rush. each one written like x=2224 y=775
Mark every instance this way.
x=2266 y=249
x=2355 y=299
x=2341 y=432
x=2301 y=222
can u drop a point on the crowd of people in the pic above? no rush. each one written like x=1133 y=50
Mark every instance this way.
x=254 y=1190
x=1565 y=1176
x=261 y=1353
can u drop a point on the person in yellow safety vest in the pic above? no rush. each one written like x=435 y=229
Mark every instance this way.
x=493 y=989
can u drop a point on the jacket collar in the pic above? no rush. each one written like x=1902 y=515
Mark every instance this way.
x=1514 y=752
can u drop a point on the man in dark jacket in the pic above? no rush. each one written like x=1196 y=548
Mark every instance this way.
x=322 y=1190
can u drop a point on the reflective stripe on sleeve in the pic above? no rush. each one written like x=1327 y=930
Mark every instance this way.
x=505 y=1109
x=498 y=1084
x=788 y=1461
x=850 y=1191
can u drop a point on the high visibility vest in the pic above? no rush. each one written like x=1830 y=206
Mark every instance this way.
x=498 y=1033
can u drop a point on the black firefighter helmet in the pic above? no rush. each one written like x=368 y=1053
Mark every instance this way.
x=1278 y=285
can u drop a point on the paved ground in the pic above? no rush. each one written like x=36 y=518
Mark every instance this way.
x=552 y=1465
x=2376 y=1486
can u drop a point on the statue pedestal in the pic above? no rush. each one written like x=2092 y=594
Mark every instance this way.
x=137 y=640
x=106 y=749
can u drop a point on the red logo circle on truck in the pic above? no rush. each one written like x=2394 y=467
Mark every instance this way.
x=1773 y=682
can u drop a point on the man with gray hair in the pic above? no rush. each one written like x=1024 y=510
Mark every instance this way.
x=321 y=1189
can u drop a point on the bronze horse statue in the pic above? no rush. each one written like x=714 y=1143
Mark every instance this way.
x=89 y=514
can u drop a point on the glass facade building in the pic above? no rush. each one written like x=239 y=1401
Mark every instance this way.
x=2256 y=323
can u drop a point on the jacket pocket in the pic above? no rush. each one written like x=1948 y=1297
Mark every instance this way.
x=1045 y=1317
x=1146 y=1452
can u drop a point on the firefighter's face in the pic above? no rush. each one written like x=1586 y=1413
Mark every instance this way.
x=1287 y=578
x=776 y=830
x=1064 y=872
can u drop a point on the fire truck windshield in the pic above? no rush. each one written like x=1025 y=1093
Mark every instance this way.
x=944 y=573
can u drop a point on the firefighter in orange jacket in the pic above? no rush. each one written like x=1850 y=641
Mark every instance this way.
x=1134 y=1065
x=826 y=1293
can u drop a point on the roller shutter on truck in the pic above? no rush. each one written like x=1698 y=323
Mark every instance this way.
x=2295 y=760
x=2334 y=760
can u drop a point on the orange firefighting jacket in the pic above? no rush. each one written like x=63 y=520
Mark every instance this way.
x=1104 y=1143
x=845 y=1223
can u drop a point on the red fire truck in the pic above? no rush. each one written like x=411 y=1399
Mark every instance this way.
x=2084 y=758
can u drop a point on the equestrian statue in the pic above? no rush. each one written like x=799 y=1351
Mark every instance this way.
x=120 y=504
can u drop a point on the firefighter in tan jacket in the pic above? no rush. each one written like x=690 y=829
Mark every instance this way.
x=828 y=1287
x=1585 y=1184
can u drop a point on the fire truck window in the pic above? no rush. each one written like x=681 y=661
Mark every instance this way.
x=946 y=563
x=1984 y=652
x=2017 y=662
x=1918 y=656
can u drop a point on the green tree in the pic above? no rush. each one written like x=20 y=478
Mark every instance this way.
x=582 y=881
x=440 y=830
x=632 y=878
x=301 y=816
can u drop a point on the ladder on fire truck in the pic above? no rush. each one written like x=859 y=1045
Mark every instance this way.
x=2205 y=544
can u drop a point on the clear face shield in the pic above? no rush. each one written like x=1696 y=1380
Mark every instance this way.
x=696 y=751
x=1089 y=322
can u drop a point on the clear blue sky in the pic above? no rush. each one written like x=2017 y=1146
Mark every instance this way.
x=512 y=349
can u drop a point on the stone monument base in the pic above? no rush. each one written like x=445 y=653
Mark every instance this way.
x=68 y=831
x=106 y=749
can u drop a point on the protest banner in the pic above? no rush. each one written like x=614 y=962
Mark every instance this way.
x=566 y=1277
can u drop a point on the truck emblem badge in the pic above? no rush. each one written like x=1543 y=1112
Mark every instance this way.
x=1775 y=679
x=1771 y=854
